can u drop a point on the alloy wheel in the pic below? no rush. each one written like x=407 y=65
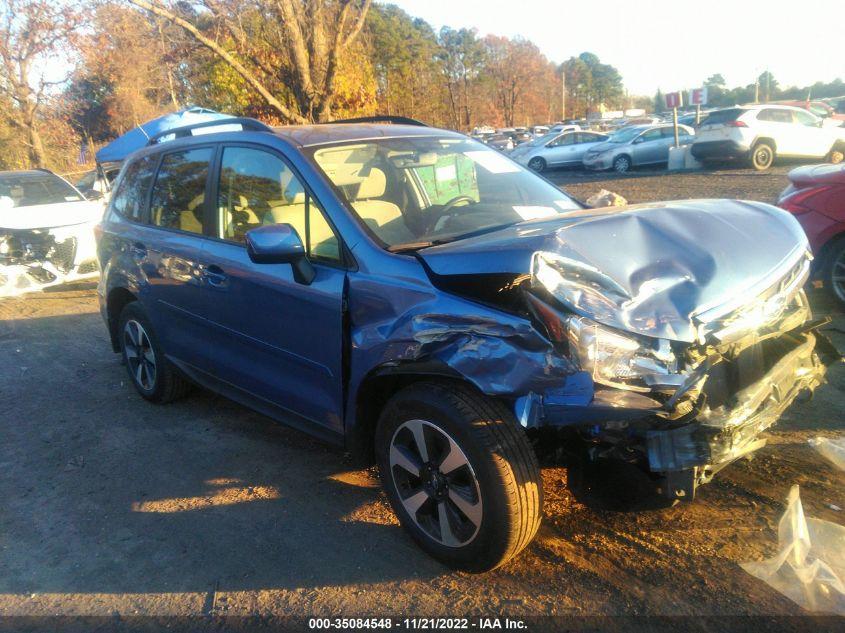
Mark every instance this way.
x=622 y=165
x=435 y=483
x=139 y=354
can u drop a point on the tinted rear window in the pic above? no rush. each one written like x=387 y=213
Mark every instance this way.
x=131 y=195
x=723 y=116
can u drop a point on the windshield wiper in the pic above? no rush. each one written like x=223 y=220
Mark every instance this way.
x=413 y=246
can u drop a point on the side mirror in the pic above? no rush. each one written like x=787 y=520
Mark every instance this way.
x=280 y=244
x=638 y=140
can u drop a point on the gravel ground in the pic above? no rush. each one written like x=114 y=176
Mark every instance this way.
x=116 y=507
x=648 y=186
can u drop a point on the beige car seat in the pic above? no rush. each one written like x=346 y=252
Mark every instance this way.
x=188 y=219
x=294 y=214
x=367 y=202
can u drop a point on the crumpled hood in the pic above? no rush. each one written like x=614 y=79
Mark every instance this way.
x=45 y=216
x=649 y=268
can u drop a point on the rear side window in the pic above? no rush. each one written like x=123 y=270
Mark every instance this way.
x=128 y=201
x=773 y=115
x=178 y=198
x=723 y=116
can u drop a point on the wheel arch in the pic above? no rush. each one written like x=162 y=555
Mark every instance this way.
x=377 y=387
x=820 y=260
x=765 y=139
x=117 y=299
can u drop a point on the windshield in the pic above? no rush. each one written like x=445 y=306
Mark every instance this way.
x=27 y=189
x=415 y=192
x=625 y=135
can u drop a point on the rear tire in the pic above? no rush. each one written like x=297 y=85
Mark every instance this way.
x=478 y=474
x=153 y=376
x=762 y=156
x=538 y=164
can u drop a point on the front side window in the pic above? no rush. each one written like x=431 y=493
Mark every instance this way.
x=178 y=198
x=804 y=118
x=651 y=135
x=414 y=192
x=29 y=189
x=258 y=188
x=129 y=198
x=563 y=139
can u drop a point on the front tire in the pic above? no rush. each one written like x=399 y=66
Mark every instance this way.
x=460 y=474
x=149 y=371
x=762 y=156
x=622 y=164
x=538 y=164
x=836 y=155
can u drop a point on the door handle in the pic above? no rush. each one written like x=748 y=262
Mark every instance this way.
x=215 y=276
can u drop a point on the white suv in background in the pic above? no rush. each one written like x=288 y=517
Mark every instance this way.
x=760 y=132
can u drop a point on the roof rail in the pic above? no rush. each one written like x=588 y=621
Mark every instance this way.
x=396 y=120
x=246 y=123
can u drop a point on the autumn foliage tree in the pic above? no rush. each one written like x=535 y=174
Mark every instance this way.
x=288 y=51
x=32 y=34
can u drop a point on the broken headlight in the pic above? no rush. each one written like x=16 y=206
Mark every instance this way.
x=618 y=359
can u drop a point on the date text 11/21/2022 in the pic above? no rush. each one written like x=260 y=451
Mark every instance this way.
x=435 y=624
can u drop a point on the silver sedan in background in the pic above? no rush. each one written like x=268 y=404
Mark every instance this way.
x=565 y=149
x=636 y=145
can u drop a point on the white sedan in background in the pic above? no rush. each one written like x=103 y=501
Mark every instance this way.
x=46 y=232
x=564 y=149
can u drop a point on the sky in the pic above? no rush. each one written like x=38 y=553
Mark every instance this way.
x=667 y=45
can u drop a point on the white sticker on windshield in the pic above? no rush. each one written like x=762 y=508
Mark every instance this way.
x=532 y=213
x=566 y=205
x=445 y=173
x=492 y=162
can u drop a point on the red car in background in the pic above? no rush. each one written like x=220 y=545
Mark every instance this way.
x=819 y=108
x=816 y=197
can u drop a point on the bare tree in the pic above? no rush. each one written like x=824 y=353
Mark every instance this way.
x=32 y=33
x=279 y=47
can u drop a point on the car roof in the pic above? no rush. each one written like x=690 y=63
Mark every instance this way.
x=324 y=133
x=26 y=172
x=760 y=106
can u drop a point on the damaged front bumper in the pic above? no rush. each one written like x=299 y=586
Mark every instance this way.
x=35 y=259
x=688 y=439
x=705 y=403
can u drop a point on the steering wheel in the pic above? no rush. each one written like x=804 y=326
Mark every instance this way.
x=445 y=209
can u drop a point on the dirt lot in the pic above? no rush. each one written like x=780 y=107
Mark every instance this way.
x=112 y=506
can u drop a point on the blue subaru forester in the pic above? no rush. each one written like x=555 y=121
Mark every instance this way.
x=426 y=302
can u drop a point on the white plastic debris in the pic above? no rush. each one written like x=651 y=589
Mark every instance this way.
x=834 y=450
x=809 y=569
x=605 y=198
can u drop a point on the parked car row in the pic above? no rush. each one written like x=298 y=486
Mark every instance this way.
x=632 y=146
